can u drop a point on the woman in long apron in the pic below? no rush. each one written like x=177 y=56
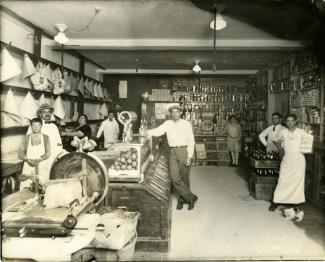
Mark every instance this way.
x=290 y=191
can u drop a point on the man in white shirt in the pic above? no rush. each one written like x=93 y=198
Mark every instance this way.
x=111 y=130
x=51 y=130
x=271 y=132
x=181 y=142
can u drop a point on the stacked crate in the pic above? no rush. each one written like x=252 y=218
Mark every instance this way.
x=216 y=150
x=262 y=187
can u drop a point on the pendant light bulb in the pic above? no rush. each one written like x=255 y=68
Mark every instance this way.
x=196 y=67
x=220 y=23
x=61 y=37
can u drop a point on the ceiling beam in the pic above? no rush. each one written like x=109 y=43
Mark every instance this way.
x=174 y=72
x=182 y=44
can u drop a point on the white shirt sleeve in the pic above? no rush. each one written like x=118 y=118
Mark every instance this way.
x=57 y=138
x=117 y=128
x=262 y=136
x=159 y=131
x=191 y=142
x=279 y=137
x=100 y=130
x=29 y=130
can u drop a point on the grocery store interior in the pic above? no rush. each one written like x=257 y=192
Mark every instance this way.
x=162 y=130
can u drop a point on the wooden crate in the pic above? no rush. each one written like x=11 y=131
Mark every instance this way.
x=262 y=188
x=223 y=156
x=200 y=151
x=212 y=155
x=264 y=163
x=222 y=146
x=211 y=146
x=264 y=179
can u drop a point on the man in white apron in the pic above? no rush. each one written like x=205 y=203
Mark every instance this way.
x=290 y=191
x=111 y=130
x=51 y=130
x=35 y=150
x=267 y=135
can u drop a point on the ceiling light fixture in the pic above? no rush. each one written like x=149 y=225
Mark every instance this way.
x=196 y=67
x=218 y=23
x=61 y=37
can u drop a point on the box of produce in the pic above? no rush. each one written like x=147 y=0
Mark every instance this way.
x=126 y=165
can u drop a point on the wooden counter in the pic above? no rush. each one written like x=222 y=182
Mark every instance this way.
x=150 y=197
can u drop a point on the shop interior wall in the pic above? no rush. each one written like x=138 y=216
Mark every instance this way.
x=137 y=85
x=20 y=35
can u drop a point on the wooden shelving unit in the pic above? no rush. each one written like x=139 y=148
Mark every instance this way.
x=36 y=93
x=311 y=117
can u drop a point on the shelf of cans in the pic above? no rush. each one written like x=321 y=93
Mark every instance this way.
x=304 y=62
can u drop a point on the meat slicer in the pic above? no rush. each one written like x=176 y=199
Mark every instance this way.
x=25 y=218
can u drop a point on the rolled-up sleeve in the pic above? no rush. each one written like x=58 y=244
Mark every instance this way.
x=159 y=131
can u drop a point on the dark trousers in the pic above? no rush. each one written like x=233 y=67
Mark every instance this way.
x=180 y=174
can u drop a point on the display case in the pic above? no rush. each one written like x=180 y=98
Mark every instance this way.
x=126 y=161
x=145 y=190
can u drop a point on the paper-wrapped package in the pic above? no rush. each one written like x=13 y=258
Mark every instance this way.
x=59 y=108
x=81 y=86
x=96 y=92
x=28 y=67
x=39 y=81
x=103 y=110
x=306 y=143
x=8 y=66
x=10 y=113
x=100 y=91
x=67 y=80
x=28 y=107
x=41 y=100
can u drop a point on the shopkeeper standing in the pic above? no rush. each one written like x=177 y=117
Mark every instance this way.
x=181 y=142
x=111 y=130
x=271 y=132
x=51 y=130
x=233 y=131
x=290 y=190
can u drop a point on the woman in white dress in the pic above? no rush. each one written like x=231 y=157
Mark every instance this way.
x=290 y=191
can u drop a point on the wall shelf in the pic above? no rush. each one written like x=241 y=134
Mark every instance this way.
x=24 y=90
x=21 y=52
x=297 y=74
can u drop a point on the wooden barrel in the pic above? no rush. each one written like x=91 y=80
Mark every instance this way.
x=70 y=165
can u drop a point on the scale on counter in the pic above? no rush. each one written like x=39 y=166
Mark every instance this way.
x=126 y=118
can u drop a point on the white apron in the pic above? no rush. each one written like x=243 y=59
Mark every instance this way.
x=35 y=152
x=291 y=184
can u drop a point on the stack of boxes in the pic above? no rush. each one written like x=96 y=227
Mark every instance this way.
x=161 y=95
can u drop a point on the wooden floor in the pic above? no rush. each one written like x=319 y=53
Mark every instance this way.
x=227 y=223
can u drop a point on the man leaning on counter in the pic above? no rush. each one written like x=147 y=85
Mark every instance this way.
x=181 y=142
